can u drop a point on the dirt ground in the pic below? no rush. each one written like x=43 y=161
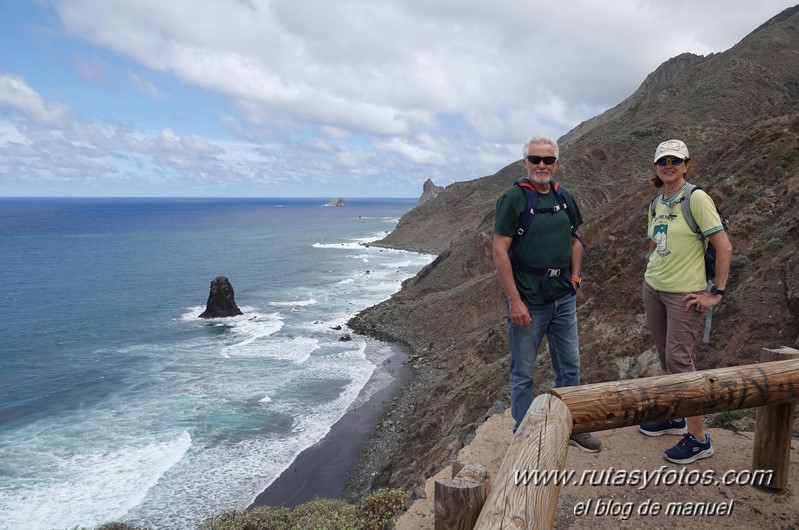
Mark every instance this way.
x=626 y=450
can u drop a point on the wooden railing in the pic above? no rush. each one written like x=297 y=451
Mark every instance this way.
x=541 y=441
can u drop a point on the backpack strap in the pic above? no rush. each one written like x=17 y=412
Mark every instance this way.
x=710 y=252
x=652 y=206
x=545 y=275
x=529 y=209
x=686 y=210
x=532 y=199
x=685 y=206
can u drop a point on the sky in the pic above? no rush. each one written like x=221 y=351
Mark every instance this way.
x=318 y=98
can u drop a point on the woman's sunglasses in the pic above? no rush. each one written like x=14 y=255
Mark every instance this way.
x=674 y=161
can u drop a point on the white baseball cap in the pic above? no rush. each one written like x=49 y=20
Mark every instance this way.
x=672 y=148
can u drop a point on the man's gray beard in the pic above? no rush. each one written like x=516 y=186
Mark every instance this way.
x=539 y=180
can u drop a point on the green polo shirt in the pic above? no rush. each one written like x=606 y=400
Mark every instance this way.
x=547 y=244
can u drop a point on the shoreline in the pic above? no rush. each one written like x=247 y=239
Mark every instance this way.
x=324 y=470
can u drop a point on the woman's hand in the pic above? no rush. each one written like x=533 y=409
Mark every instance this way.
x=701 y=301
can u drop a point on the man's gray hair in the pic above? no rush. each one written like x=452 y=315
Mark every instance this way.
x=540 y=140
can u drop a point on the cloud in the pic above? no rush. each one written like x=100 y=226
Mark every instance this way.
x=20 y=99
x=9 y=133
x=53 y=147
x=389 y=68
x=145 y=86
x=414 y=153
x=248 y=91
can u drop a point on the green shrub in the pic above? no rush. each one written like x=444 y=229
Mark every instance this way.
x=325 y=514
x=319 y=514
x=376 y=509
x=260 y=518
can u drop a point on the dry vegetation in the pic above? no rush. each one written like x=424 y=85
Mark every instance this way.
x=739 y=115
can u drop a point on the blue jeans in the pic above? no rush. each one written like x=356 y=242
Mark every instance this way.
x=558 y=321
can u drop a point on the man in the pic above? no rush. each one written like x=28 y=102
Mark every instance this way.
x=540 y=272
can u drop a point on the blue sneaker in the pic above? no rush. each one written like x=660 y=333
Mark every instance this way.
x=664 y=427
x=689 y=449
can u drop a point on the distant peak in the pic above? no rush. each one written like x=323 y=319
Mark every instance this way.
x=429 y=191
x=781 y=17
x=666 y=73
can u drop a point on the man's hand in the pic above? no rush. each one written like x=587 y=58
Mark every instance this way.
x=519 y=314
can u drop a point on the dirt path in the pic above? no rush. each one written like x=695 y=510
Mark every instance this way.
x=626 y=451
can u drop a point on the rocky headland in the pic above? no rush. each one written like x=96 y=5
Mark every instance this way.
x=738 y=111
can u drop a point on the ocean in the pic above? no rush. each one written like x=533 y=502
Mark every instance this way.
x=117 y=403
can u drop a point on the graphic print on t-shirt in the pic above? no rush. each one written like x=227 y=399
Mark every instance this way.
x=660 y=236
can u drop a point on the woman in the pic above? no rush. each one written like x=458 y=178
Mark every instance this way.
x=674 y=291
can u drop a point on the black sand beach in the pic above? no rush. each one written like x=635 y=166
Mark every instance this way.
x=323 y=469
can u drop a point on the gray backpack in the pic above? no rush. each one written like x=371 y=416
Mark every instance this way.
x=710 y=251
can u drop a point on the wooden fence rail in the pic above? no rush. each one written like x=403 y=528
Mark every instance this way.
x=603 y=406
x=541 y=441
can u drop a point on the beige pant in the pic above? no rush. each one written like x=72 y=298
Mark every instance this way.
x=673 y=329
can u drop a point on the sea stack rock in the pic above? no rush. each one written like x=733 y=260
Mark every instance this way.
x=221 y=302
x=335 y=201
x=429 y=191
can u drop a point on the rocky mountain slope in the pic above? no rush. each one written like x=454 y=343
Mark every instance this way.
x=738 y=111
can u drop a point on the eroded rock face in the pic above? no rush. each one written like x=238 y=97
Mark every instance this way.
x=221 y=302
x=429 y=191
x=459 y=370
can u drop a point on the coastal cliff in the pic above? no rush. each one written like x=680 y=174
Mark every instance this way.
x=738 y=111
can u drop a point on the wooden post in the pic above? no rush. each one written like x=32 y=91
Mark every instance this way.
x=773 y=430
x=541 y=442
x=458 y=501
x=603 y=406
x=539 y=445
x=456 y=467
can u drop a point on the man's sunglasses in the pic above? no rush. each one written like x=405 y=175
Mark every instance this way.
x=548 y=160
x=674 y=161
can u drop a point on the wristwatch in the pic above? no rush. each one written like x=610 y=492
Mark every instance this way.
x=716 y=290
x=578 y=281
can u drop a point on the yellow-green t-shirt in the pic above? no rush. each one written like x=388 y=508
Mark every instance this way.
x=677 y=264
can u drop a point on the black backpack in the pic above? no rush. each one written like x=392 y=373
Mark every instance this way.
x=710 y=250
x=530 y=211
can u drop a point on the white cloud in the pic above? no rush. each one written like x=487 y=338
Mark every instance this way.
x=389 y=67
x=145 y=86
x=19 y=98
x=406 y=89
x=414 y=153
x=9 y=133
